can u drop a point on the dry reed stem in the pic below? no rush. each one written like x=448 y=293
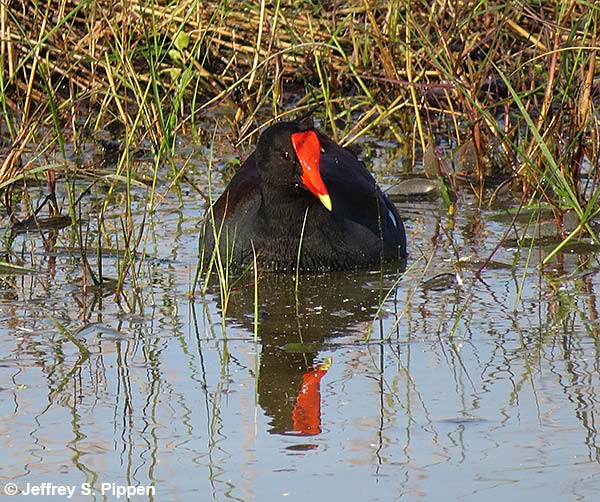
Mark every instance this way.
x=12 y=167
x=527 y=35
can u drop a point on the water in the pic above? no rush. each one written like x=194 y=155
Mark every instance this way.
x=484 y=390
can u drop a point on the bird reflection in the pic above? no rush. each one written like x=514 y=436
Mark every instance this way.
x=296 y=322
x=306 y=415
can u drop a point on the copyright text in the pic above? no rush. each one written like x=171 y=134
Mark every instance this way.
x=113 y=490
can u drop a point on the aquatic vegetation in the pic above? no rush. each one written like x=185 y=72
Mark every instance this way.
x=511 y=88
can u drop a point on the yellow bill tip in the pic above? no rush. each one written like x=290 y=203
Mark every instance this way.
x=326 y=201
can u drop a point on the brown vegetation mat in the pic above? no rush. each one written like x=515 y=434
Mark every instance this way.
x=85 y=52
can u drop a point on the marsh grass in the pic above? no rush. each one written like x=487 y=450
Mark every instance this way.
x=517 y=81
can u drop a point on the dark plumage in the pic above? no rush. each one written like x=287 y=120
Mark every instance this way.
x=298 y=182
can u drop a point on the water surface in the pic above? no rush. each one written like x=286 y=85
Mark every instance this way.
x=358 y=386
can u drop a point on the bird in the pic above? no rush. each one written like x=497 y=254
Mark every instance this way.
x=301 y=202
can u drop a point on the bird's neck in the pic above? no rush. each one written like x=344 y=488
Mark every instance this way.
x=285 y=204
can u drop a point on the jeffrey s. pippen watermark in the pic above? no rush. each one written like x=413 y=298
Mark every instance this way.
x=113 y=490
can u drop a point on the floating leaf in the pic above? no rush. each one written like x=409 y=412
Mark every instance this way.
x=441 y=282
x=182 y=40
x=175 y=55
x=465 y=158
x=416 y=187
x=173 y=73
x=431 y=161
x=302 y=348
x=56 y=222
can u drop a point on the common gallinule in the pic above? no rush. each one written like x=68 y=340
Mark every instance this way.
x=302 y=200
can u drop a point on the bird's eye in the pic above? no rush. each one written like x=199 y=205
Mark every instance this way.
x=285 y=155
